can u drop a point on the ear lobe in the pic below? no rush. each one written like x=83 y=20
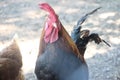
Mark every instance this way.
x=54 y=25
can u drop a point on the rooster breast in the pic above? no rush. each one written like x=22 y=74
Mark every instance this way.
x=58 y=62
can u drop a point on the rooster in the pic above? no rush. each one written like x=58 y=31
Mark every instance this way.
x=82 y=38
x=59 y=57
x=11 y=63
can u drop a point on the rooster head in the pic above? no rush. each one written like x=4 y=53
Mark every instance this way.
x=52 y=25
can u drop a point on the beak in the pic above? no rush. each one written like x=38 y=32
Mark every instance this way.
x=55 y=25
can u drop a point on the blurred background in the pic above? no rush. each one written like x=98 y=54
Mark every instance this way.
x=24 y=18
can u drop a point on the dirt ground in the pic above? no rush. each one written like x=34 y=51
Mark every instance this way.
x=24 y=18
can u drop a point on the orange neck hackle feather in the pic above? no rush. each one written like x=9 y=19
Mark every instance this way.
x=71 y=44
x=67 y=38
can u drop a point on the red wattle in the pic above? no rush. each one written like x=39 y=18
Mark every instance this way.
x=51 y=34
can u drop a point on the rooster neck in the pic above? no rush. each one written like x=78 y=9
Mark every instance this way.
x=64 y=41
x=70 y=43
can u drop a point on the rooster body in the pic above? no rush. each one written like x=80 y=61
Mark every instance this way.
x=59 y=58
x=58 y=62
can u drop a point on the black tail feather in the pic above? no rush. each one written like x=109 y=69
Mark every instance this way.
x=81 y=20
x=76 y=33
x=106 y=43
x=95 y=37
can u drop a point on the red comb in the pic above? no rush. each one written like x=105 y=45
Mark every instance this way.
x=47 y=7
